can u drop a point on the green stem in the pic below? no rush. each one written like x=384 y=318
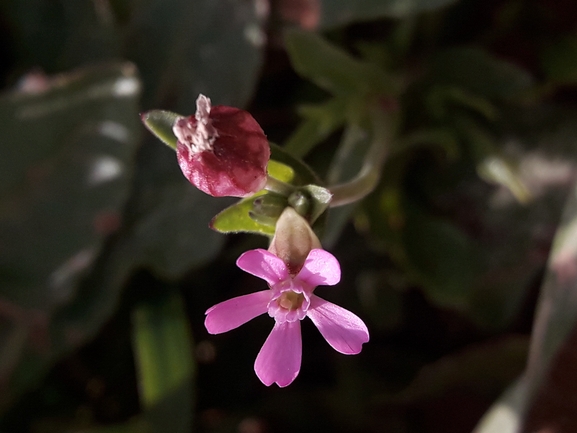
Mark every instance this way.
x=278 y=186
x=366 y=180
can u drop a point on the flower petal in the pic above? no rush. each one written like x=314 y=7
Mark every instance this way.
x=232 y=313
x=279 y=359
x=343 y=330
x=263 y=264
x=321 y=268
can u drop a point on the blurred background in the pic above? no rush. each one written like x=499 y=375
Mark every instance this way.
x=462 y=261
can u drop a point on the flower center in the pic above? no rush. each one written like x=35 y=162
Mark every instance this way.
x=288 y=303
x=290 y=300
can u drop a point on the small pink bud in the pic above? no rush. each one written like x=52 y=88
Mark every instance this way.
x=222 y=150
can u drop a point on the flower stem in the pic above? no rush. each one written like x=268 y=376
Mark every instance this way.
x=383 y=126
x=278 y=186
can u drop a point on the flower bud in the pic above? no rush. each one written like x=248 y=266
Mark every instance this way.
x=300 y=201
x=293 y=240
x=222 y=150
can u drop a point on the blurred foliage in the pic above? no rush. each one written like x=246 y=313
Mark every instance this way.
x=459 y=118
x=163 y=350
x=68 y=165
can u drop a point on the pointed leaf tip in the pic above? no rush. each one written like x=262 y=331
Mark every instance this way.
x=160 y=122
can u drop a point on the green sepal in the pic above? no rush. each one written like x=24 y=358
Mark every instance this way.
x=269 y=206
x=160 y=122
x=311 y=201
x=280 y=171
x=264 y=219
x=236 y=219
x=241 y=216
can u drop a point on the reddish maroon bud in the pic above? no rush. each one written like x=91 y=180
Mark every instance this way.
x=222 y=150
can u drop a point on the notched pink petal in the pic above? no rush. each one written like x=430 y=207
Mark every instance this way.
x=236 y=311
x=263 y=264
x=343 y=330
x=279 y=359
x=321 y=268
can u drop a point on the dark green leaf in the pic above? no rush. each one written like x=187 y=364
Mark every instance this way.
x=169 y=217
x=331 y=68
x=441 y=98
x=66 y=171
x=184 y=48
x=480 y=72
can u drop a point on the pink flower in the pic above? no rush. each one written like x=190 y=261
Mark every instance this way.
x=289 y=300
x=222 y=150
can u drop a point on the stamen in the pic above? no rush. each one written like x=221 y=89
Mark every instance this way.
x=202 y=108
x=205 y=132
x=290 y=300
x=197 y=137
